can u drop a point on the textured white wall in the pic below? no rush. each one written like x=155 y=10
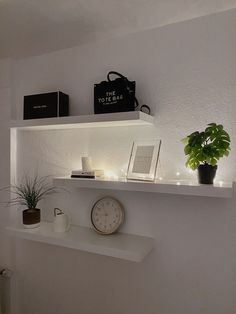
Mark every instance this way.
x=5 y=106
x=41 y=27
x=187 y=73
x=6 y=244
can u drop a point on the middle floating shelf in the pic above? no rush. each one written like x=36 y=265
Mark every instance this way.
x=167 y=187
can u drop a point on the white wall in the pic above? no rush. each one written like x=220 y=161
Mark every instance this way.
x=5 y=242
x=187 y=73
x=5 y=106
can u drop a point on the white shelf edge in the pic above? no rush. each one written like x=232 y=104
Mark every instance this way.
x=224 y=191
x=120 y=245
x=85 y=121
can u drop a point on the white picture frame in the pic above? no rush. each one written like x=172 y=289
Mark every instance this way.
x=143 y=160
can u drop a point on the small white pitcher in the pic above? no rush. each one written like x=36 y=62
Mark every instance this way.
x=61 y=221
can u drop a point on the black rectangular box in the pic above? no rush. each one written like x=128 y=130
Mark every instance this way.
x=114 y=96
x=48 y=105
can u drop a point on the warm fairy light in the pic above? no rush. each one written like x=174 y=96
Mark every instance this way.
x=111 y=175
x=190 y=171
x=123 y=173
x=178 y=183
x=160 y=178
x=177 y=174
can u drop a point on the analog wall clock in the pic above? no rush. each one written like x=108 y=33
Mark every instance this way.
x=107 y=215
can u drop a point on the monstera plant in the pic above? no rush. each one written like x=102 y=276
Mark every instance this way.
x=204 y=149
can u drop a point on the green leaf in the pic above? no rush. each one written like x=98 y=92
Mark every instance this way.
x=185 y=140
x=211 y=124
x=226 y=153
x=207 y=146
x=187 y=150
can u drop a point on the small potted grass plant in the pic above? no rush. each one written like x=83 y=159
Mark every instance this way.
x=204 y=149
x=29 y=192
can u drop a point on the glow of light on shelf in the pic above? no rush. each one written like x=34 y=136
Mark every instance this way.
x=123 y=173
x=177 y=174
x=190 y=171
x=178 y=183
x=160 y=178
x=110 y=175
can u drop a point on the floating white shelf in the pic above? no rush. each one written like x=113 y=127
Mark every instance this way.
x=96 y=120
x=169 y=187
x=120 y=245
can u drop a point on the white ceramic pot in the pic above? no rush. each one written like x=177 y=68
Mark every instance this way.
x=61 y=221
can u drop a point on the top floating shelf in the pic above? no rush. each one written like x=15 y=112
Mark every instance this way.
x=96 y=120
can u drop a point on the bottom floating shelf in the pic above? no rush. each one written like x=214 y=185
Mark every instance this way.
x=120 y=245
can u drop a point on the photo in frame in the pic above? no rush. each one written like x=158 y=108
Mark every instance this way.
x=143 y=160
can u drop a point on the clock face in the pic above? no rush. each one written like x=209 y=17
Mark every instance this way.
x=107 y=215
